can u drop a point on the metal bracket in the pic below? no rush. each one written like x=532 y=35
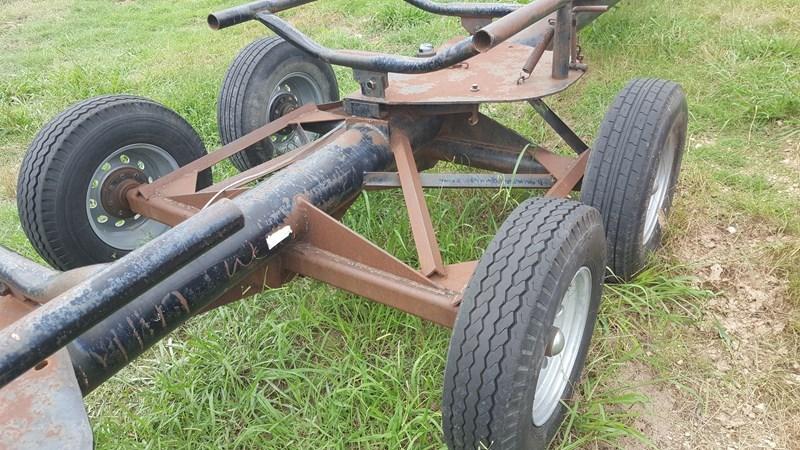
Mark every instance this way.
x=360 y=108
x=373 y=84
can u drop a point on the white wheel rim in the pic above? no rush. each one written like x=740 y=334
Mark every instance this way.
x=126 y=233
x=570 y=323
x=660 y=188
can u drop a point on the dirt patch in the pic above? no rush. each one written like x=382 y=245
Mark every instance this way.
x=663 y=417
x=745 y=386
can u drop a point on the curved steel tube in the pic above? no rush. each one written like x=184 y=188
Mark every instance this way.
x=483 y=10
x=490 y=36
x=247 y=12
x=377 y=62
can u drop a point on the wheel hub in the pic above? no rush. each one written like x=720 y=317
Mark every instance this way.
x=114 y=191
x=556 y=343
x=562 y=344
x=282 y=104
x=107 y=207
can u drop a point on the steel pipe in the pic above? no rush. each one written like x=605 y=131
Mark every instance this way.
x=375 y=62
x=44 y=331
x=482 y=10
x=496 y=32
x=21 y=275
x=247 y=12
x=562 y=42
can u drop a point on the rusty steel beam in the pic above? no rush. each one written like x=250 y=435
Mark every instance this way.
x=558 y=125
x=570 y=178
x=435 y=305
x=496 y=32
x=430 y=258
x=315 y=227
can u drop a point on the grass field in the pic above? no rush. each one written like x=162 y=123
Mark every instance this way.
x=700 y=351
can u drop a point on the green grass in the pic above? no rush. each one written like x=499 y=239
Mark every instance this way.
x=307 y=366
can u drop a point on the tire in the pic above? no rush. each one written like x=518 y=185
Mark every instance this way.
x=55 y=189
x=633 y=168
x=252 y=91
x=505 y=321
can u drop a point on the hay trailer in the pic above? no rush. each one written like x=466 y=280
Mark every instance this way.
x=116 y=194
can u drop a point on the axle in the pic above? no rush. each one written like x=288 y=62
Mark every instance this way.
x=328 y=179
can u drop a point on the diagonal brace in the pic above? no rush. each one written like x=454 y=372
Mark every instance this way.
x=559 y=126
x=430 y=258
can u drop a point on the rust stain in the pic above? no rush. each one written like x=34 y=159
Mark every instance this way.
x=119 y=345
x=161 y=316
x=135 y=333
x=184 y=303
x=495 y=72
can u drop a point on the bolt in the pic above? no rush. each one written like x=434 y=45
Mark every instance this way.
x=425 y=50
x=474 y=88
x=371 y=84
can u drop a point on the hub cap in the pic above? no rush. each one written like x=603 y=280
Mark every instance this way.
x=106 y=202
x=293 y=91
x=562 y=346
x=660 y=188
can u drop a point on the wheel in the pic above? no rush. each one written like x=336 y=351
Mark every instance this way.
x=70 y=191
x=632 y=170
x=524 y=327
x=269 y=78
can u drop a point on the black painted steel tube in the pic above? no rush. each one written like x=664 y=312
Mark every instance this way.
x=376 y=62
x=479 y=157
x=247 y=12
x=558 y=125
x=483 y=10
x=22 y=275
x=328 y=178
x=47 y=329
